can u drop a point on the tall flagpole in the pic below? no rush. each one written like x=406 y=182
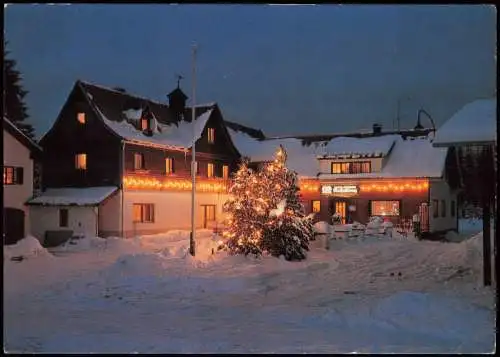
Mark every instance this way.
x=193 y=160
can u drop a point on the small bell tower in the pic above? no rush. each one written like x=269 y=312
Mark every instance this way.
x=177 y=100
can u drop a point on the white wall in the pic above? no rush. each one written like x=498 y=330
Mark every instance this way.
x=16 y=154
x=109 y=215
x=172 y=210
x=46 y=218
x=440 y=190
x=325 y=166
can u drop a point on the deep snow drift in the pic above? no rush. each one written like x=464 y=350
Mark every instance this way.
x=149 y=295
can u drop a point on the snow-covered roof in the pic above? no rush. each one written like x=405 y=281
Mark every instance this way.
x=301 y=159
x=87 y=196
x=408 y=158
x=172 y=136
x=475 y=123
x=19 y=135
x=377 y=146
x=170 y=129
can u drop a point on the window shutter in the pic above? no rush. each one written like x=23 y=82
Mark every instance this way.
x=173 y=165
x=19 y=173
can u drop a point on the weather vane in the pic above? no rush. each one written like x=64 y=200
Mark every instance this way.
x=179 y=77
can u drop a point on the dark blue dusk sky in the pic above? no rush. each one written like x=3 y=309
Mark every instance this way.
x=284 y=69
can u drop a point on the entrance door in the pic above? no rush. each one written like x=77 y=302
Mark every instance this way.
x=340 y=208
x=424 y=217
x=208 y=215
x=13 y=225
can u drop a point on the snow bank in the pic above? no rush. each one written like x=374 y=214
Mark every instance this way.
x=138 y=264
x=322 y=227
x=27 y=247
x=433 y=316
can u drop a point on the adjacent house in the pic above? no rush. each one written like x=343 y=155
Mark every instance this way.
x=19 y=153
x=391 y=177
x=117 y=164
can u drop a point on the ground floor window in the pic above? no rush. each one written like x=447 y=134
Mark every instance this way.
x=208 y=214
x=63 y=217
x=385 y=208
x=452 y=208
x=144 y=212
x=316 y=206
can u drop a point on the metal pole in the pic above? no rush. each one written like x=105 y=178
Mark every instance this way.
x=193 y=161
x=486 y=205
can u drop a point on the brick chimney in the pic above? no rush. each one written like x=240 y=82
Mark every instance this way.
x=377 y=128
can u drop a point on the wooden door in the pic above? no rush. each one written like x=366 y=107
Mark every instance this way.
x=13 y=225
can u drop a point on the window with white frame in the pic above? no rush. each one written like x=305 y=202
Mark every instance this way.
x=143 y=213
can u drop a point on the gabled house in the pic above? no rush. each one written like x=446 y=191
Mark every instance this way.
x=19 y=153
x=126 y=161
x=391 y=177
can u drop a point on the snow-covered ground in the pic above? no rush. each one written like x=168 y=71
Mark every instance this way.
x=148 y=295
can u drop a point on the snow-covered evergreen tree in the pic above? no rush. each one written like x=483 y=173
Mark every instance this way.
x=265 y=214
x=288 y=231
x=245 y=214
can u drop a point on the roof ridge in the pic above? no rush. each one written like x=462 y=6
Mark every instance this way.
x=123 y=93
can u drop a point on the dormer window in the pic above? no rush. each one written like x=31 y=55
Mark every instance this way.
x=357 y=167
x=211 y=135
x=144 y=124
x=81 y=118
x=138 y=161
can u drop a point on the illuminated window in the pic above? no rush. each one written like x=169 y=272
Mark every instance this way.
x=209 y=212
x=63 y=217
x=210 y=170
x=81 y=118
x=144 y=124
x=443 y=208
x=452 y=208
x=385 y=208
x=13 y=175
x=211 y=135
x=357 y=167
x=316 y=206
x=138 y=161
x=143 y=213
x=169 y=165
x=81 y=161
x=435 y=208
x=225 y=172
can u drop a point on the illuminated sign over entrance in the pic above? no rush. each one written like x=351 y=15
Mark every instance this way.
x=339 y=189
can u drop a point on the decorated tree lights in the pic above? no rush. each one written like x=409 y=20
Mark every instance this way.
x=265 y=214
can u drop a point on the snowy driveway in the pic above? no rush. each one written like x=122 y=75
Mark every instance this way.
x=149 y=297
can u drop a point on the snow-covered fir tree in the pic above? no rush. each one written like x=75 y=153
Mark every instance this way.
x=265 y=214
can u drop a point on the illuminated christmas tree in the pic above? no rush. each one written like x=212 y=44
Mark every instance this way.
x=265 y=214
